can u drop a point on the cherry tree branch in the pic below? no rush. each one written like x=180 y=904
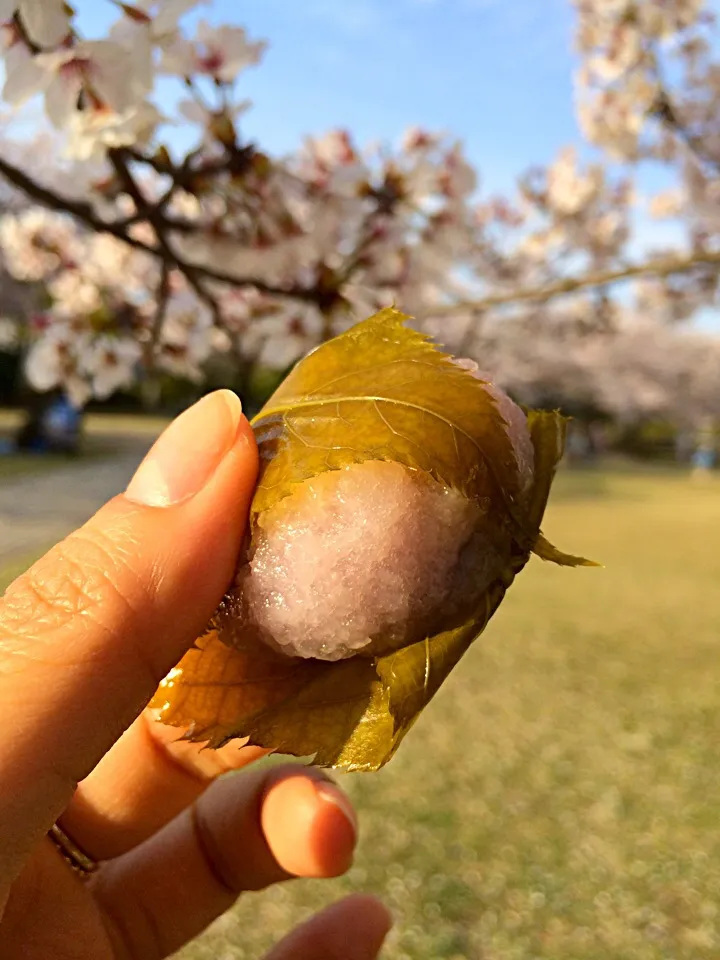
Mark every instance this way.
x=85 y=214
x=119 y=160
x=659 y=267
x=195 y=276
x=665 y=111
x=158 y=320
x=198 y=276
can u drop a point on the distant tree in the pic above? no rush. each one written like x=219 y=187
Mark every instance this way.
x=157 y=263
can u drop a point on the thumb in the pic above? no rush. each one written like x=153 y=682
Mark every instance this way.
x=89 y=631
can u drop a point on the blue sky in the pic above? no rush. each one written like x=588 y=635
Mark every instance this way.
x=496 y=73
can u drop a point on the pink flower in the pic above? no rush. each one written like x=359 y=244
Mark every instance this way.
x=100 y=70
x=218 y=52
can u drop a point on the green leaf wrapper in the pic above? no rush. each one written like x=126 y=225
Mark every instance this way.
x=380 y=392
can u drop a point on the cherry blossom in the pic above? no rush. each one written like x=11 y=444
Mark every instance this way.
x=186 y=342
x=9 y=335
x=92 y=133
x=221 y=53
x=110 y=363
x=152 y=261
x=99 y=70
x=161 y=17
x=36 y=244
x=54 y=361
x=46 y=21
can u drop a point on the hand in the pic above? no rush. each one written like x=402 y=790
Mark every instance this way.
x=85 y=636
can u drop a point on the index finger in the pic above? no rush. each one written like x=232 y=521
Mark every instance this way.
x=89 y=631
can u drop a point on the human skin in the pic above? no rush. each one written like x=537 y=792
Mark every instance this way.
x=85 y=636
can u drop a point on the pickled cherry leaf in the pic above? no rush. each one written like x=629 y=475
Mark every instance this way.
x=383 y=391
x=546 y=551
x=378 y=392
x=547 y=432
x=350 y=714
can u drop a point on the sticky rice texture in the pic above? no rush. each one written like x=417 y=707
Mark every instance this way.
x=370 y=558
x=363 y=559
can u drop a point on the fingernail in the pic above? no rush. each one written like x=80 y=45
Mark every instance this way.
x=332 y=794
x=188 y=453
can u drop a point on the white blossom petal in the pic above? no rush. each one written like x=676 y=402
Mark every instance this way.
x=9 y=335
x=93 y=132
x=8 y=8
x=170 y=12
x=46 y=21
x=26 y=77
x=178 y=58
x=78 y=391
x=42 y=366
x=61 y=98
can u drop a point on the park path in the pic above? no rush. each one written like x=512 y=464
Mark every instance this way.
x=39 y=509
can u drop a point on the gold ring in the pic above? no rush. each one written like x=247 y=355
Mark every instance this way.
x=79 y=861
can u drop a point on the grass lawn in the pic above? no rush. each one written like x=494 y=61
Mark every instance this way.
x=560 y=798
x=13 y=466
x=9 y=571
x=104 y=435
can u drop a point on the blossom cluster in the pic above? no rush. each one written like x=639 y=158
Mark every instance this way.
x=639 y=370
x=144 y=261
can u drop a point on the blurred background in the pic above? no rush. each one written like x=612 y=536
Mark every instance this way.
x=538 y=185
